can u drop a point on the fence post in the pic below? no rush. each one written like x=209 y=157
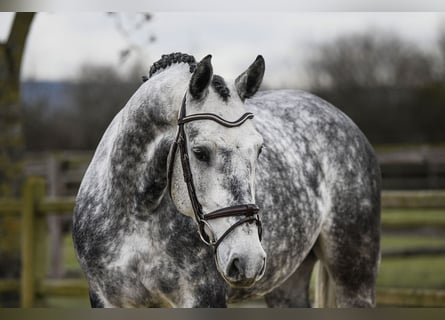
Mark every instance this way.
x=55 y=221
x=32 y=240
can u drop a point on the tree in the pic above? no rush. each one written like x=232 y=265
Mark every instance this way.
x=100 y=93
x=87 y=108
x=370 y=59
x=388 y=85
x=134 y=28
x=11 y=137
x=11 y=141
x=96 y=95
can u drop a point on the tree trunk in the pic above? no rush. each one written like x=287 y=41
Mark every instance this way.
x=11 y=143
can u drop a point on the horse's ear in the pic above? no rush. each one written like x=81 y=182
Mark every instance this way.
x=200 y=81
x=249 y=81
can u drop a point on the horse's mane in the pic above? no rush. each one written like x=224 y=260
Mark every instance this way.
x=167 y=60
x=172 y=58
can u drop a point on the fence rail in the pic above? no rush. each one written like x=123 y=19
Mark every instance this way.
x=35 y=206
x=428 y=199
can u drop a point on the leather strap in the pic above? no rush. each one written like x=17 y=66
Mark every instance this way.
x=242 y=209
x=250 y=211
x=216 y=118
x=232 y=227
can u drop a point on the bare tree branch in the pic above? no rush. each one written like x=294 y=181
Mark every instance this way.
x=16 y=41
x=130 y=27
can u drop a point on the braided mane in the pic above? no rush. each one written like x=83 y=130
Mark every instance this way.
x=167 y=60
x=172 y=58
x=220 y=87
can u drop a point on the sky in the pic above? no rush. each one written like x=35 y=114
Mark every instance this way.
x=60 y=43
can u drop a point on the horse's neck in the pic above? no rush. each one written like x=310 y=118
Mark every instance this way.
x=157 y=101
x=144 y=133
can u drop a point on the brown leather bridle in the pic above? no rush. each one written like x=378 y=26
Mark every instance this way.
x=249 y=211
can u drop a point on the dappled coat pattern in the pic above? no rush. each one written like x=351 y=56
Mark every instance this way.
x=316 y=182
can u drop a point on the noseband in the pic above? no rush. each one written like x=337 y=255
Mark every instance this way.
x=248 y=211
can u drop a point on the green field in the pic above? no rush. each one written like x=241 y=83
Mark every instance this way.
x=70 y=260
x=397 y=218
x=401 y=242
x=421 y=272
x=413 y=272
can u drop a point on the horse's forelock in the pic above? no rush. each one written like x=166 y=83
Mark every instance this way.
x=220 y=87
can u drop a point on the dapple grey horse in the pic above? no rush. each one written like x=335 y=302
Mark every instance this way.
x=142 y=240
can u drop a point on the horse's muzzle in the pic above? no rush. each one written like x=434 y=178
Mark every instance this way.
x=240 y=274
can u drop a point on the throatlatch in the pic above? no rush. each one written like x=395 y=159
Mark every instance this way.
x=250 y=210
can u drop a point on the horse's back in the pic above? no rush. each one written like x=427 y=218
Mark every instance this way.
x=310 y=131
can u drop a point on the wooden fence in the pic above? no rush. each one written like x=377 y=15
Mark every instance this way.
x=33 y=209
x=35 y=206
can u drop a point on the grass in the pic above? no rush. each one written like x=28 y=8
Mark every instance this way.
x=413 y=217
x=401 y=242
x=422 y=272
x=71 y=266
x=70 y=260
x=413 y=272
x=64 y=302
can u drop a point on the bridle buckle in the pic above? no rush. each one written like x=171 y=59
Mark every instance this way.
x=201 y=231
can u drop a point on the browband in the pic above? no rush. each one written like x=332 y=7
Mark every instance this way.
x=216 y=118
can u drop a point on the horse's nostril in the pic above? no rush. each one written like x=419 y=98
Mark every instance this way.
x=236 y=269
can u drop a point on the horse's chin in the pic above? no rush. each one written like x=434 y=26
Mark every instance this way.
x=239 y=283
x=243 y=284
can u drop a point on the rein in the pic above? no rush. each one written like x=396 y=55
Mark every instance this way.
x=249 y=211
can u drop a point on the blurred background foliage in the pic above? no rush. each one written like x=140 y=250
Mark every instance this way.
x=87 y=108
x=392 y=88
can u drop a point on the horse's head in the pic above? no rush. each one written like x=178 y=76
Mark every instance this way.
x=221 y=146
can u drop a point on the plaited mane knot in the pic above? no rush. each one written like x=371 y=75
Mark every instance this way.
x=172 y=58
x=220 y=87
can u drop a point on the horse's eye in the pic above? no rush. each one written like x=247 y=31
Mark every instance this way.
x=202 y=154
x=260 y=150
